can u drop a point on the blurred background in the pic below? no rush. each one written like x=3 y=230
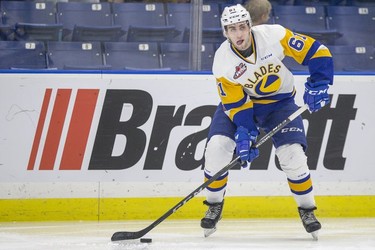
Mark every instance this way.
x=177 y=35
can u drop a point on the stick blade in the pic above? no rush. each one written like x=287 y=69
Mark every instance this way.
x=126 y=236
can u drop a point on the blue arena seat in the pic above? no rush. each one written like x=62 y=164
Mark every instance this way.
x=87 y=21
x=28 y=12
x=179 y=15
x=22 y=55
x=302 y=19
x=357 y=24
x=40 y=32
x=346 y=58
x=132 y=55
x=85 y=33
x=151 y=34
x=31 y=20
x=75 y=55
x=211 y=25
x=231 y=2
x=143 y=22
x=208 y=53
x=176 y=56
x=6 y=32
x=75 y=13
x=211 y=14
x=308 y=20
x=142 y=14
x=364 y=3
x=353 y=58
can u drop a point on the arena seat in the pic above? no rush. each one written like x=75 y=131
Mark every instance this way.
x=211 y=25
x=85 y=33
x=300 y=18
x=357 y=24
x=308 y=20
x=30 y=20
x=75 y=55
x=176 y=56
x=28 y=12
x=143 y=22
x=151 y=34
x=207 y=56
x=179 y=16
x=353 y=58
x=211 y=14
x=87 y=21
x=132 y=55
x=6 y=32
x=22 y=55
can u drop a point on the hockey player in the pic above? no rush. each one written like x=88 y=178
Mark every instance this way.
x=257 y=92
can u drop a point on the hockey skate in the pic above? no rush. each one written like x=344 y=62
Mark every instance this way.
x=213 y=215
x=309 y=221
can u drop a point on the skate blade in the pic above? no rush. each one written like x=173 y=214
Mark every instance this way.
x=209 y=231
x=315 y=235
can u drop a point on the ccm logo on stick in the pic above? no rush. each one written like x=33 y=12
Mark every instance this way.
x=292 y=129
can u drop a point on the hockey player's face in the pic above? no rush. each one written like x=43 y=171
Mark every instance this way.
x=239 y=35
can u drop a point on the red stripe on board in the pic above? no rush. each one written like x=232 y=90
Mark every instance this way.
x=39 y=129
x=55 y=129
x=79 y=129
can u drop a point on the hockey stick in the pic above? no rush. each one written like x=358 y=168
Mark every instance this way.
x=123 y=235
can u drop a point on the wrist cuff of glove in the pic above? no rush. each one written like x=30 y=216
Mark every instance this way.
x=312 y=84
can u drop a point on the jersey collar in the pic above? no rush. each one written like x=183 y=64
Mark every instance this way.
x=248 y=59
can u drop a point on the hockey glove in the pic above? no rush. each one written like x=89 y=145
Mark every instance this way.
x=244 y=142
x=316 y=95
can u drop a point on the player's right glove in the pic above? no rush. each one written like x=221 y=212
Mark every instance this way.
x=244 y=142
x=316 y=95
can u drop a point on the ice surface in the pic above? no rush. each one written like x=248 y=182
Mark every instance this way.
x=337 y=233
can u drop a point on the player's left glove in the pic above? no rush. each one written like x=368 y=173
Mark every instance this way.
x=316 y=95
x=244 y=142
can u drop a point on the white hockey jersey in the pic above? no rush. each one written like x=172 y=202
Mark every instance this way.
x=262 y=78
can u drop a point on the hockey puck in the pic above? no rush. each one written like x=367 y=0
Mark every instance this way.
x=146 y=240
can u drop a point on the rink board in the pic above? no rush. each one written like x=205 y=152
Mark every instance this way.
x=88 y=209
x=57 y=162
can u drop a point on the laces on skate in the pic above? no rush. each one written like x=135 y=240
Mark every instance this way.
x=212 y=216
x=309 y=221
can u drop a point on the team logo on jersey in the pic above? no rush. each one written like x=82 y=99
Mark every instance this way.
x=240 y=69
x=268 y=85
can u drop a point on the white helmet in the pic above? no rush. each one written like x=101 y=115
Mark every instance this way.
x=234 y=14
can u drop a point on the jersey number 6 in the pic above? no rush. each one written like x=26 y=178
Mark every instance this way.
x=297 y=42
